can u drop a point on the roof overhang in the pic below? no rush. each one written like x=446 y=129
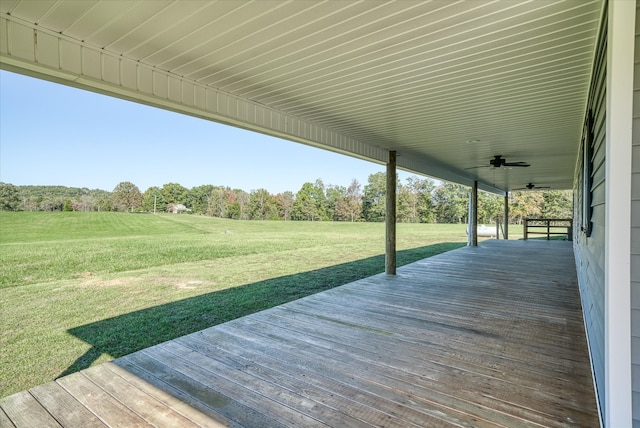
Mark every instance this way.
x=447 y=85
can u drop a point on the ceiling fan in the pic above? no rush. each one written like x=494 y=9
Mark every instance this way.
x=532 y=186
x=499 y=161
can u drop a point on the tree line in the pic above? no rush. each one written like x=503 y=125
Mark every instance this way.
x=419 y=200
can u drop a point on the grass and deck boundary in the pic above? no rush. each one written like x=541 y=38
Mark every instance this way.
x=77 y=289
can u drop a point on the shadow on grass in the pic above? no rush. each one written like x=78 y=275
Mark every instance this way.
x=137 y=330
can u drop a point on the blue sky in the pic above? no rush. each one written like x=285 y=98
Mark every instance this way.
x=52 y=134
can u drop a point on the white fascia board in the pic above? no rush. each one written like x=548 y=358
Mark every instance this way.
x=619 y=120
x=28 y=49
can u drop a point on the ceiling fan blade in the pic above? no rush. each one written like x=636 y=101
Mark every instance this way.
x=498 y=161
x=531 y=186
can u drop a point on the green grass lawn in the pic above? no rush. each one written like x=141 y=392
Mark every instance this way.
x=78 y=289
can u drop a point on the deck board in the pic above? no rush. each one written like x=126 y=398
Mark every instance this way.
x=486 y=337
x=64 y=407
x=24 y=411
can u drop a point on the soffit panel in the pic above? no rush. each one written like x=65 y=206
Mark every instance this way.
x=418 y=77
x=402 y=61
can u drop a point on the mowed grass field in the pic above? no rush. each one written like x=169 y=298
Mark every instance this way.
x=77 y=289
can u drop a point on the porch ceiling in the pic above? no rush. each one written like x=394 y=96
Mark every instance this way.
x=446 y=84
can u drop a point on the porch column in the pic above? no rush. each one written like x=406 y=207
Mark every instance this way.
x=390 y=217
x=618 y=332
x=506 y=216
x=473 y=214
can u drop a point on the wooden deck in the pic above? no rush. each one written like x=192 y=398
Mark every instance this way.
x=485 y=337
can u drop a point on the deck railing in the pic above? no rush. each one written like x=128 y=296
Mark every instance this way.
x=549 y=227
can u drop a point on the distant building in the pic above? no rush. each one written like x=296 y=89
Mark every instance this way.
x=177 y=208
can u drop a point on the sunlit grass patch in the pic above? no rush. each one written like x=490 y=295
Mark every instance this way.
x=83 y=288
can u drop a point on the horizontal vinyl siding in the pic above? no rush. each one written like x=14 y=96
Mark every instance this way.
x=589 y=251
x=635 y=233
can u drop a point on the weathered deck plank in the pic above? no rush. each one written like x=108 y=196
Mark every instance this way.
x=454 y=340
x=64 y=407
x=24 y=411
x=175 y=400
x=108 y=408
x=148 y=407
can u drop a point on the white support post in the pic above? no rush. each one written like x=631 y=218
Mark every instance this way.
x=469 y=215
x=619 y=119
x=390 y=218
x=505 y=232
x=473 y=221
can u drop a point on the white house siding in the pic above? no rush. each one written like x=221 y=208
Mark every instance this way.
x=635 y=232
x=589 y=251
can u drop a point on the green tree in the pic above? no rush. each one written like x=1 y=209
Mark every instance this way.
x=85 y=202
x=557 y=204
x=524 y=204
x=415 y=201
x=490 y=206
x=238 y=201
x=153 y=201
x=199 y=199
x=58 y=198
x=451 y=203
x=9 y=197
x=374 y=197
x=218 y=203
x=318 y=193
x=407 y=205
x=30 y=202
x=126 y=197
x=104 y=202
x=424 y=189
x=304 y=206
x=349 y=208
x=311 y=202
x=260 y=204
x=242 y=199
x=335 y=195
x=175 y=193
x=284 y=205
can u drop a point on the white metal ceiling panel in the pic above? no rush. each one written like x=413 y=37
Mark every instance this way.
x=30 y=11
x=422 y=78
